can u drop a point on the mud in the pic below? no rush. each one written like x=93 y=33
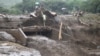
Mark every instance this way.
x=50 y=47
x=78 y=39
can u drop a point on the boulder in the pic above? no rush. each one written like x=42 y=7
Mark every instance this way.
x=4 y=36
x=13 y=49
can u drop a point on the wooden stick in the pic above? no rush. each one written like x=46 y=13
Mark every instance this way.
x=60 y=31
x=44 y=18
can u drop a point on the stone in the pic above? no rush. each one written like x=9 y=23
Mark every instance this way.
x=4 y=36
x=13 y=49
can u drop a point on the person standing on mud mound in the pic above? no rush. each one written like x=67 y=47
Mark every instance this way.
x=39 y=12
x=79 y=14
x=38 y=9
x=35 y=12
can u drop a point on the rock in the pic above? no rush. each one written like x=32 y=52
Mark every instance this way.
x=12 y=49
x=49 y=47
x=4 y=36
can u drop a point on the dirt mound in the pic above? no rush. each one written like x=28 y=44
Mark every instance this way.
x=48 y=47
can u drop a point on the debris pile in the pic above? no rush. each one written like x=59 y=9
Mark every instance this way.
x=58 y=35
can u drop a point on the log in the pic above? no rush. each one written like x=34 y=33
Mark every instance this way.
x=36 y=29
x=19 y=35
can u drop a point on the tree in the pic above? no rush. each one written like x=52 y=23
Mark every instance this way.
x=3 y=10
x=92 y=6
x=56 y=5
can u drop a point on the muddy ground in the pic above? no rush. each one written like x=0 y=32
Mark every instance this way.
x=78 y=38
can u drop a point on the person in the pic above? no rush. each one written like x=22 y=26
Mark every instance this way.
x=37 y=5
x=38 y=10
x=64 y=10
